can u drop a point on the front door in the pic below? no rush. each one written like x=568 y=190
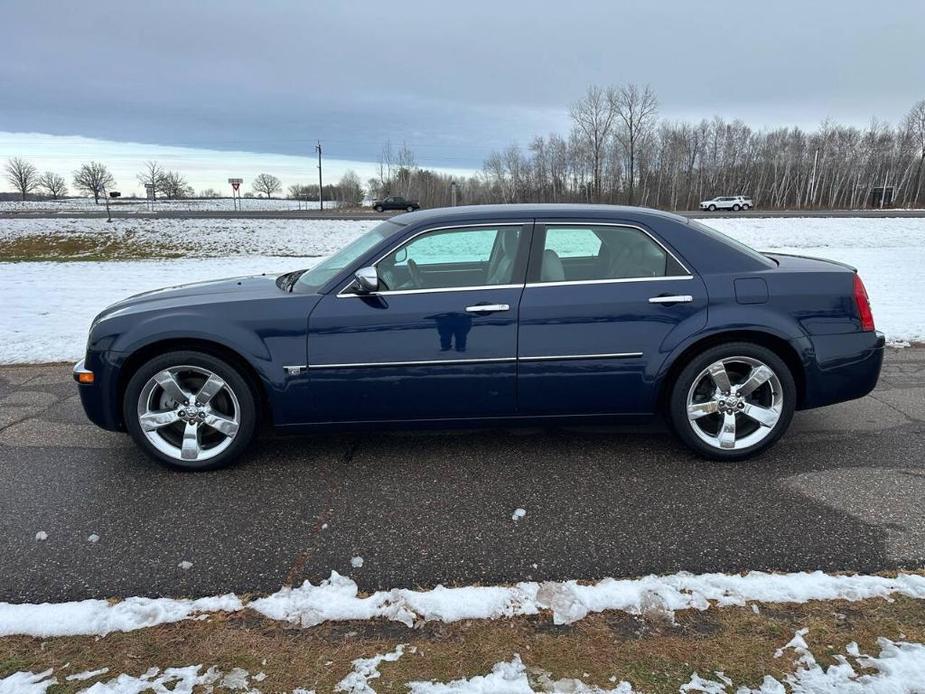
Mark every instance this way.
x=437 y=340
x=601 y=305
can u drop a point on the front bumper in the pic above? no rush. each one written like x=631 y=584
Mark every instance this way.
x=99 y=396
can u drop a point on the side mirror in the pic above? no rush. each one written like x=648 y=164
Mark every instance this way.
x=367 y=279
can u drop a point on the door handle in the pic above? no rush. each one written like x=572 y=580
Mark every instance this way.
x=487 y=308
x=674 y=299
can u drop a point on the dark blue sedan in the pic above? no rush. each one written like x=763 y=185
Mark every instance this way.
x=490 y=315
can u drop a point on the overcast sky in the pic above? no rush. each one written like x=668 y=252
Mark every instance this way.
x=453 y=80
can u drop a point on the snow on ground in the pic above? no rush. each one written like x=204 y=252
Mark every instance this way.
x=141 y=205
x=898 y=668
x=48 y=306
x=337 y=599
x=204 y=238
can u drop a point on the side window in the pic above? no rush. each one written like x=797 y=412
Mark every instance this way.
x=579 y=253
x=469 y=257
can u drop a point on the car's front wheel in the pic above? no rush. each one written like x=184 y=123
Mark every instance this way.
x=410 y=208
x=712 y=208
x=732 y=401
x=190 y=410
x=379 y=208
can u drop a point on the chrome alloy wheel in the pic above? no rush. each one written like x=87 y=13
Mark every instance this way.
x=188 y=413
x=735 y=403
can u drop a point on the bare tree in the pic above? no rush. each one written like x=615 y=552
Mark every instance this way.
x=915 y=123
x=350 y=190
x=267 y=184
x=637 y=110
x=152 y=175
x=53 y=184
x=593 y=116
x=93 y=179
x=173 y=186
x=22 y=175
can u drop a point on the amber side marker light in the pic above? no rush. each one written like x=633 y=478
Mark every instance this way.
x=85 y=377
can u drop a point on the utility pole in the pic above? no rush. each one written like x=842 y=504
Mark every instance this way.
x=320 y=185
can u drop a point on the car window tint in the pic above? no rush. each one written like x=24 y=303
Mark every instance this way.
x=579 y=253
x=452 y=258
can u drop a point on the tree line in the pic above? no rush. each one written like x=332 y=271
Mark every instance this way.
x=94 y=179
x=619 y=151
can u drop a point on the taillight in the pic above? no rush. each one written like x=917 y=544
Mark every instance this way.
x=863 y=303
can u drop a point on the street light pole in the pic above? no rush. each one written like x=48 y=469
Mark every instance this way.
x=320 y=184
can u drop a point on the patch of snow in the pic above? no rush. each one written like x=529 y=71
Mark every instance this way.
x=518 y=514
x=27 y=682
x=175 y=679
x=365 y=669
x=512 y=678
x=185 y=565
x=89 y=674
x=99 y=617
x=236 y=678
x=356 y=562
x=41 y=536
x=94 y=538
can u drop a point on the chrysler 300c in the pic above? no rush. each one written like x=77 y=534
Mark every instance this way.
x=490 y=315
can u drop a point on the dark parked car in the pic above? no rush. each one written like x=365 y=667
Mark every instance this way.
x=491 y=315
x=396 y=202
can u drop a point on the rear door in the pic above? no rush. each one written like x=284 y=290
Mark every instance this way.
x=598 y=310
x=438 y=340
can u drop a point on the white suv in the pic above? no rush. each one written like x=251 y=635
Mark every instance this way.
x=727 y=202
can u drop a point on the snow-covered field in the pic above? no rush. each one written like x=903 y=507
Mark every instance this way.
x=141 y=205
x=898 y=667
x=48 y=306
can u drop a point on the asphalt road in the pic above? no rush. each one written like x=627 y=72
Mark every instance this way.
x=367 y=213
x=844 y=490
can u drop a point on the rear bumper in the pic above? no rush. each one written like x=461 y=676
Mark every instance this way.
x=842 y=367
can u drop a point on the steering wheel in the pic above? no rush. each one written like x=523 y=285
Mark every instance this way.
x=416 y=278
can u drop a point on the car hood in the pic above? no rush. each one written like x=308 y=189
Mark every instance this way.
x=233 y=288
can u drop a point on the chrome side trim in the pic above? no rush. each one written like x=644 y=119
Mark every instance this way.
x=394 y=292
x=566 y=283
x=566 y=357
x=425 y=362
x=493 y=360
x=294 y=370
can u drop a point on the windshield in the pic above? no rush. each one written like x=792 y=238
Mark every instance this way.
x=319 y=275
x=738 y=245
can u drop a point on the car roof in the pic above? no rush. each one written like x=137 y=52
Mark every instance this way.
x=476 y=213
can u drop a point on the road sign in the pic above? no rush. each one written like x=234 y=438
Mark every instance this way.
x=237 y=181
x=149 y=190
x=236 y=185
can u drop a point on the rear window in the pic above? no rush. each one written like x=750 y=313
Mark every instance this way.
x=729 y=241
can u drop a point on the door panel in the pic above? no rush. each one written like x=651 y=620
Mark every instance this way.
x=590 y=346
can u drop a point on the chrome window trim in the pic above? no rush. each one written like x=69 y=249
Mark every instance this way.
x=488 y=225
x=489 y=360
x=614 y=281
x=393 y=292
x=624 y=225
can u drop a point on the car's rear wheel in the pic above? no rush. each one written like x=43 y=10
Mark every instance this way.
x=410 y=208
x=379 y=208
x=190 y=410
x=733 y=401
x=736 y=207
x=712 y=208
x=746 y=206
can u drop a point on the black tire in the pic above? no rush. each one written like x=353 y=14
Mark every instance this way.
x=244 y=401
x=410 y=208
x=378 y=208
x=746 y=207
x=677 y=403
x=736 y=207
x=712 y=208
